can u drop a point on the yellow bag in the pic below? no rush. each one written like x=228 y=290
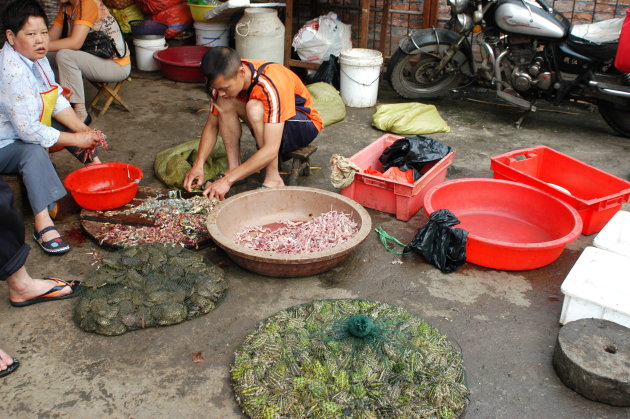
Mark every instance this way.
x=123 y=16
x=409 y=119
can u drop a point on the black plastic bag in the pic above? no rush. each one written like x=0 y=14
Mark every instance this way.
x=413 y=153
x=439 y=244
x=328 y=72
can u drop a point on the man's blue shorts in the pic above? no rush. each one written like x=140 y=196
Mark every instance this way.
x=298 y=132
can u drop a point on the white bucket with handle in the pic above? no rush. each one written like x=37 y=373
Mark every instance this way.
x=144 y=49
x=215 y=34
x=360 y=73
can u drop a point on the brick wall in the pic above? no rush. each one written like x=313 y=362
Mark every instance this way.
x=406 y=15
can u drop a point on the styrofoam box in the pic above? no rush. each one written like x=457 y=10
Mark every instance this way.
x=615 y=236
x=598 y=286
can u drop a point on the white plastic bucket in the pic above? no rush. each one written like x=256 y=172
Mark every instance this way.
x=360 y=72
x=144 y=49
x=259 y=35
x=215 y=34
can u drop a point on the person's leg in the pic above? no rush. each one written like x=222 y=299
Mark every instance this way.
x=40 y=178
x=230 y=129
x=255 y=119
x=13 y=254
x=73 y=65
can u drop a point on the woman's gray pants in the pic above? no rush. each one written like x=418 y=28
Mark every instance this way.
x=32 y=162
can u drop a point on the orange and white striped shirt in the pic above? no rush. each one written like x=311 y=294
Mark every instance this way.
x=281 y=92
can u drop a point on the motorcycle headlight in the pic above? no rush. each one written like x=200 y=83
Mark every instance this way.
x=463 y=23
x=458 y=6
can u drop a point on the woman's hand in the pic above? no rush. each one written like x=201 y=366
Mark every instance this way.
x=82 y=139
x=87 y=139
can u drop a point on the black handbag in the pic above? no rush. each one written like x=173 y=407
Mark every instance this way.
x=100 y=44
x=97 y=43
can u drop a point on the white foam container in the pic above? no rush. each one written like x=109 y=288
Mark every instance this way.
x=598 y=286
x=212 y=34
x=615 y=236
x=360 y=73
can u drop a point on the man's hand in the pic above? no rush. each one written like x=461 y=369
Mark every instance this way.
x=194 y=178
x=217 y=189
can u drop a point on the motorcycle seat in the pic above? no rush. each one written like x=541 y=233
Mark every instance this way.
x=596 y=40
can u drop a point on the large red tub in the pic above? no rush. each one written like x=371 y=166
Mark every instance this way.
x=181 y=63
x=510 y=225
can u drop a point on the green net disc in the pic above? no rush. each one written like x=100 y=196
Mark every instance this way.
x=147 y=286
x=348 y=358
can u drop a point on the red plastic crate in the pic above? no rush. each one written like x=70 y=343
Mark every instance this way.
x=595 y=194
x=402 y=199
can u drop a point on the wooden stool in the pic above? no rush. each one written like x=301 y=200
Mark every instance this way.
x=300 y=164
x=109 y=94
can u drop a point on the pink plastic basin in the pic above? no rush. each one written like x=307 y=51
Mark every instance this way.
x=510 y=225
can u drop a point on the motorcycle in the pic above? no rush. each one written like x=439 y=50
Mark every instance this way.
x=523 y=49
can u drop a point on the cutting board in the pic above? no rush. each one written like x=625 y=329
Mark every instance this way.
x=95 y=224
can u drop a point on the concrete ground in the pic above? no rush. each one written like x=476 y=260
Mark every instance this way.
x=506 y=322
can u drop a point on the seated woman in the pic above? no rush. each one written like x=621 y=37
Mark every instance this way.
x=72 y=63
x=29 y=99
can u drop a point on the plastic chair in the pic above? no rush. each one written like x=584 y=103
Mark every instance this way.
x=109 y=94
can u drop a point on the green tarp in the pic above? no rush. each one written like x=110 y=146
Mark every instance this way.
x=327 y=101
x=409 y=119
x=172 y=164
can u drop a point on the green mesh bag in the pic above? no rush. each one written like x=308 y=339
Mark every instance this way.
x=409 y=119
x=348 y=358
x=172 y=164
x=327 y=101
x=147 y=286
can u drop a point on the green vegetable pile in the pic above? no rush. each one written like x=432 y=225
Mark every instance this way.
x=348 y=358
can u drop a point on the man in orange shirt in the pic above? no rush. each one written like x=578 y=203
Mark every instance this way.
x=273 y=102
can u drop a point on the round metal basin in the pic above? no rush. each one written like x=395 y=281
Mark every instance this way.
x=270 y=205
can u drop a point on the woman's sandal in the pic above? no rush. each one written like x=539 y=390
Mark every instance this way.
x=53 y=293
x=55 y=246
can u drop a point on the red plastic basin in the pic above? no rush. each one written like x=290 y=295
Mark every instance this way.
x=181 y=63
x=510 y=225
x=104 y=186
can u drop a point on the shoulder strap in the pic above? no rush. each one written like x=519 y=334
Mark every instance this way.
x=123 y=40
x=255 y=81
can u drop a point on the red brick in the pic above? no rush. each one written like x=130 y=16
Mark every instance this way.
x=598 y=17
x=605 y=9
x=581 y=6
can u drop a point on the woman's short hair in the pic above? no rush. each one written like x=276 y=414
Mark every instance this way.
x=220 y=61
x=17 y=12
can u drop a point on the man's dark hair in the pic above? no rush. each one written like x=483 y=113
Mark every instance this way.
x=17 y=12
x=219 y=61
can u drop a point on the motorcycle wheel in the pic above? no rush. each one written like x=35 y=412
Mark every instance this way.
x=410 y=75
x=617 y=116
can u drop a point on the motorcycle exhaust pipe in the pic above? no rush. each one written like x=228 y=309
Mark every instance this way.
x=608 y=90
